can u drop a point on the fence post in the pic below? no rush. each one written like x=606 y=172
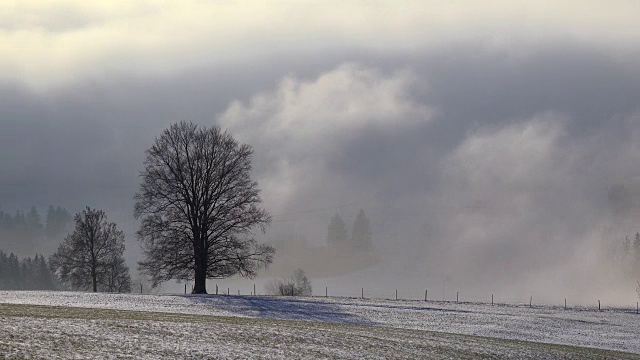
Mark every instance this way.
x=565 y=303
x=457 y=296
x=425 y=294
x=530 y=301
x=216 y=289
x=396 y=294
x=140 y=288
x=185 y=288
x=491 y=299
x=362 y=294
x=326 y=291
x=636 y=307
x=228 y=291
x=254 y=290
x=598 y=305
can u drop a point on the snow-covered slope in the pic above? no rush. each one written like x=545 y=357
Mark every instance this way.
x=616 y=329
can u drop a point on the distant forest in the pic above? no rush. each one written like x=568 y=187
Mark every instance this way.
x=26 y=274
x=23 y=234
x=28 y=233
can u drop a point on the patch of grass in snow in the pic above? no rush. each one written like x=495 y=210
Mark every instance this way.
x=40 y=331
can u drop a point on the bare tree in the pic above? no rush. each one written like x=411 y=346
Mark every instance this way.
x=198 y=207
x=91 y=257
x=296 y=285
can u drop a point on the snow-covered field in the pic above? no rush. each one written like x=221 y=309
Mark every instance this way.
x=155 y=326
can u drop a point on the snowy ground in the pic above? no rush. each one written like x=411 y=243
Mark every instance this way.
x=252 y=326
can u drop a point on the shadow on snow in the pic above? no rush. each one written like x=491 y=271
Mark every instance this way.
x=279 y=308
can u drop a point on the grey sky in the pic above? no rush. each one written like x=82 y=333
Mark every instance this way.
x=482 y=140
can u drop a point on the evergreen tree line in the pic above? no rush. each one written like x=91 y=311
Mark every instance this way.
x=625 y=253
x=26 y=274
x=631 y=251
x=27 y=233
x=360 y=239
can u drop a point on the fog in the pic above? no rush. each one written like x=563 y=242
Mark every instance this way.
x=496 y=159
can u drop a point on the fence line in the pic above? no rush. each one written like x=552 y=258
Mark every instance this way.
x=460 y=298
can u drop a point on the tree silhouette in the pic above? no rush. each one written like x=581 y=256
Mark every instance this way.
x=86 y=257
x=198 y=207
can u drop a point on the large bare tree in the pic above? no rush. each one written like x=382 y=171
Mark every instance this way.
x=91 y=257
x=199 y=208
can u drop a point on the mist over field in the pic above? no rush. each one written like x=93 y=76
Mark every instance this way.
x=493 y=146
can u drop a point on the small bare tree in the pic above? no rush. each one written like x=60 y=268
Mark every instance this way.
x=296 y=285
x=91 y=257
x=198 y=207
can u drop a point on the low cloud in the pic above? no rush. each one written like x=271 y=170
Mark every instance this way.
x=300 y=129
x=523 y=207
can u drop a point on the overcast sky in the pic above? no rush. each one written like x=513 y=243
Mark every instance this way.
x=482 y=138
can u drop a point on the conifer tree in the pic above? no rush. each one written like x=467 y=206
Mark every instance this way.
x=361 y=233
x=337 y=232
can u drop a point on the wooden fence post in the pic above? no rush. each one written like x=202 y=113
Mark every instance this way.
x=396 y=294
x=598 y=305
x=425 y=294
x=326 y=291
x=492 y=299
x=530 y=301
x=457 y=293
x=185 y=288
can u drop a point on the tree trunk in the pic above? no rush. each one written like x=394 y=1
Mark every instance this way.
x=200 y=286
x=94 y=280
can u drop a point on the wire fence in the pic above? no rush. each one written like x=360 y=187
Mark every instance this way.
x=428 y=296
